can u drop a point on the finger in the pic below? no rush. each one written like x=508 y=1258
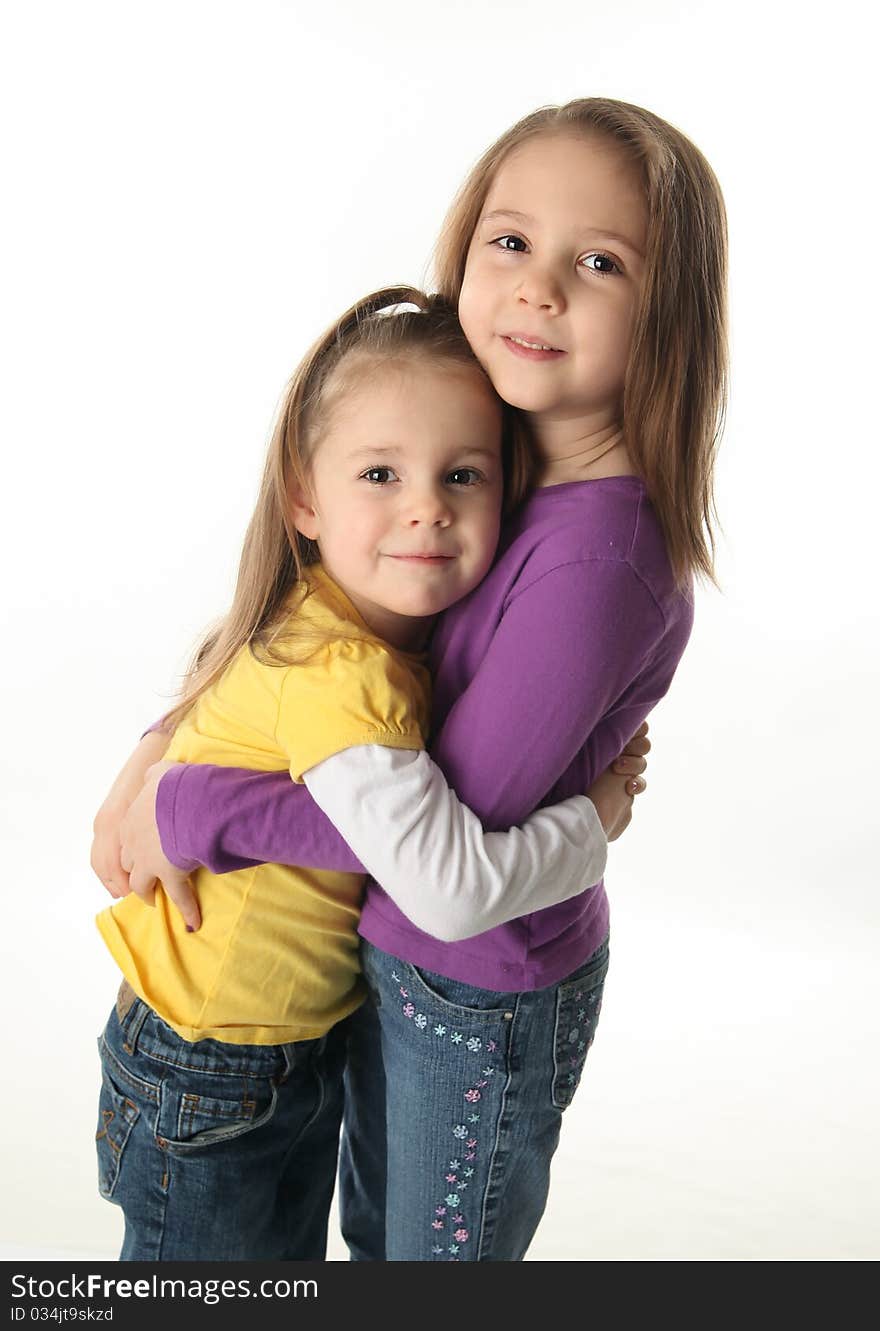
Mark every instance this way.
x=119 y=878
x=143 y=884
x=637 y=786
x=102 y=872
x=629 y=765
x=638 y=745
x=109 y=871
x=116 y=890
x=180 y=891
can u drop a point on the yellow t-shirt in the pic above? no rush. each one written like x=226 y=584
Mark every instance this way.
x=276 y=957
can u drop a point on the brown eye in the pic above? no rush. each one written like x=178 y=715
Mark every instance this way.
x=514 y=244
x=464 y=476
x=377 y=475
x=601 y=264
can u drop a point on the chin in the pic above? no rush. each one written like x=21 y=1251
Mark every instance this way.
x=425 y=607
x=517 y=392
x=533 y=402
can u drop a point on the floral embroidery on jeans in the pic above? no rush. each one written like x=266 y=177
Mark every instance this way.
x=577 y=1011
x=454 y=1176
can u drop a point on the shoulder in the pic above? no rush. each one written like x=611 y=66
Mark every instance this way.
x=368 y=664
x=353 y=663
x=351 y=691
x=597 y=538
x=336 y=657
x=586 y=520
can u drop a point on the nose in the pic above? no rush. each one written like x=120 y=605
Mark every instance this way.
x=427 y=506
x=540 y=288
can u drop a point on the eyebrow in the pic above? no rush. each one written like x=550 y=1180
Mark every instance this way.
x=506 y=212
x=384 y=450
x=498 y=213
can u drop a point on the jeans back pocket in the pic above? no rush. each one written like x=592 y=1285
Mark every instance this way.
x=578 y=1004
x=117 y=1115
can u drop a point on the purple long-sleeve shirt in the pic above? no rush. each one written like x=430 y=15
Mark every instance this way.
x=541 y=675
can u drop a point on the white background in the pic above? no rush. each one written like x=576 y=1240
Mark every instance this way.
x=192 y=191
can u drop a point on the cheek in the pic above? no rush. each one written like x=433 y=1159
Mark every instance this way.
x=472 y=306
x=611 y=337
x=623 y=340
x=487 y=528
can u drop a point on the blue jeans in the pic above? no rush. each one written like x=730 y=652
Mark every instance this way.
x=469 y=1093
x=215 y=1151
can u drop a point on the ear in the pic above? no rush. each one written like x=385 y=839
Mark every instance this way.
x=305 y=515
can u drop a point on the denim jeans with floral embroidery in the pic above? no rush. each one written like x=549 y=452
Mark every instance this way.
x=216 y=1151
x=468 y=1096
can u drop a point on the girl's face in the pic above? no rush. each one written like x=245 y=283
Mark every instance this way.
x=552 y=281
x=406 y=492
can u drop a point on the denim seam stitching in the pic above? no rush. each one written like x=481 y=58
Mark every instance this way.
x=497 y=1143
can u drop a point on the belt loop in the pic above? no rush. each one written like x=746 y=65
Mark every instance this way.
x=134 y=1016
x=299 y=1052
x=125 y=1000
x=289 y=1055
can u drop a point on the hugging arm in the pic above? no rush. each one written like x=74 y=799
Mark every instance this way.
x=548 y=677
x=231 y=818
x=411 y=832
x=430 y=852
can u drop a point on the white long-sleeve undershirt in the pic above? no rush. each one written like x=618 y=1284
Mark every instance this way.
x=430 y=853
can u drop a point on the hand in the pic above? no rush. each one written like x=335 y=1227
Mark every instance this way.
x=105 y=844
x=631 y=761
x=145 y=861
x=614 y=792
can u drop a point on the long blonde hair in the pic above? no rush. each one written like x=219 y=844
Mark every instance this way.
x=676 y=379
x=272 y=578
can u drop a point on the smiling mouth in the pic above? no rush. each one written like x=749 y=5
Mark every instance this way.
x=424 y=559
x=526 y=346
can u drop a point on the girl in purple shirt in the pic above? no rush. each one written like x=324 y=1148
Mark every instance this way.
x=586 y=254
